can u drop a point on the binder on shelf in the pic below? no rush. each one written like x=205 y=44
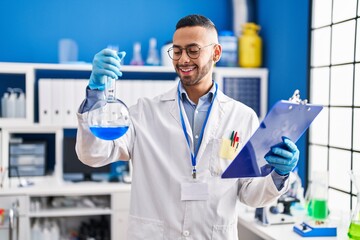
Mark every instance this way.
x=80 y=93
x=69 y=102
x=45 y=99
x=286 y=118
x=57 y=99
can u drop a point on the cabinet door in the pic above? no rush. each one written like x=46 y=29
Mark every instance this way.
x=17 y=207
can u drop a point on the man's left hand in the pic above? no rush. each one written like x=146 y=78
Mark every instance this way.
x=283 y=156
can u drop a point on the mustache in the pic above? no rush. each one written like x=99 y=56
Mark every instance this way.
x=185 y=65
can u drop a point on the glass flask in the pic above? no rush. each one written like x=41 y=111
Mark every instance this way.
x=317 y=197
x=354 y=228
x=109 y=118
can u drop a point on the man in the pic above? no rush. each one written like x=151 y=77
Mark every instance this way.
x=175 y=143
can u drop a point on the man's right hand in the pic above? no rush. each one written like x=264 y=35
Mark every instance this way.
x=106 y=63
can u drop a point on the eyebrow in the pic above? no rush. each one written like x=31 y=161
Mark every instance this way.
x=189 y=45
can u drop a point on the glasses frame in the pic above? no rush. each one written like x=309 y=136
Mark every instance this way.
x=187 y=51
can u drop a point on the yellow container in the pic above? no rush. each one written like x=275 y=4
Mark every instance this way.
x=250 y=46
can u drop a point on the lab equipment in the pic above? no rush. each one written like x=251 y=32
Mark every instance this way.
x=4 y=101
x=286 y=118
x=137 y=58
x=272 y=216
x=317 y=206
x=109 y=118
x=354 y=228
x=68 y=51
x=311 y=230
x=20 y=104
x=243 y=11
x=229 y=49
x=153 y=54
x=250 y=46
x=286 y=210
x=13 y=103
x=317 y=224
x=283 y=156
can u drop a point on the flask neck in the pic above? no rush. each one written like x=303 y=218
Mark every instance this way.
x=110 y=89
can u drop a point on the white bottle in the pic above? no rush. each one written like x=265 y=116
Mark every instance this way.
x=46 y=235
x=36 y=231
x=153 y=55
x=137 y=58
x=55 y=231
x=4 y=100
x=10 y=106
x=20 y=106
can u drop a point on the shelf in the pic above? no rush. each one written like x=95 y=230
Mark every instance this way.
x=69 y=212
x=29 y=80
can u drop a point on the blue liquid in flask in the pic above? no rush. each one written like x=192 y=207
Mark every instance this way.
x=108 y=132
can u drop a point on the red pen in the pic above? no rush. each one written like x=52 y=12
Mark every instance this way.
x=235 y=139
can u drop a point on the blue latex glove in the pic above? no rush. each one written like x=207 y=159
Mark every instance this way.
x=106 y=63
x=283 y=156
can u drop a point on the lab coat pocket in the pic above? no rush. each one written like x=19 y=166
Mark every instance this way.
x=221 y=232
x=218 y=163
x=145 y=228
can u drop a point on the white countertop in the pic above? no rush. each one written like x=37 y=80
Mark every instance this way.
x=282 y=231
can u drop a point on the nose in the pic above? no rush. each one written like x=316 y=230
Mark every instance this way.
x=184 y=58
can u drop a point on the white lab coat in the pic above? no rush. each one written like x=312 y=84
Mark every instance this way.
x=161 y=162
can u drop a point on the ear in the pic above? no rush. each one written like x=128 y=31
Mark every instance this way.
x=217 y=53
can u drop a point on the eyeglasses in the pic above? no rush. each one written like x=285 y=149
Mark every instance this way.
x=193 y=51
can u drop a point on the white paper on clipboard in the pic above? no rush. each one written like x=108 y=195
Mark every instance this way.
x=286 y=118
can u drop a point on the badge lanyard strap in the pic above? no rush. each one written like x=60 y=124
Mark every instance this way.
x=193 y=155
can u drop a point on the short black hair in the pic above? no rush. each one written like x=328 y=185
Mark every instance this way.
x=195 y=20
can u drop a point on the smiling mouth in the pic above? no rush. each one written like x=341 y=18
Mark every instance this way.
x=186 y=69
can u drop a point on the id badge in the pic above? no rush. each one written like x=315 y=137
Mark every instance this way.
x=194 y=191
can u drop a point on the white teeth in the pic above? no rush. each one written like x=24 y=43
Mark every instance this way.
x=187 y=69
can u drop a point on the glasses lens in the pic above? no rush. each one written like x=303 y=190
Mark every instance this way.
x=174 y=53
x=193 y=51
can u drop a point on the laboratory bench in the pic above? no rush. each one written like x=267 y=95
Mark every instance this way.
x=251 y=228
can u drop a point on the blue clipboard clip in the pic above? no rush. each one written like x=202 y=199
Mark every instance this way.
x=286 y=118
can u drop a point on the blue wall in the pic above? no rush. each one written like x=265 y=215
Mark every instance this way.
x=285 y=30
x=30 y=31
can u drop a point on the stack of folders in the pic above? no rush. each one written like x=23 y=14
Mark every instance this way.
x=59 y=99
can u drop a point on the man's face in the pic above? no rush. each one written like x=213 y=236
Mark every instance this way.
x=195 y=71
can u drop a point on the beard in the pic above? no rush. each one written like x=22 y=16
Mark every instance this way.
x=194 y=80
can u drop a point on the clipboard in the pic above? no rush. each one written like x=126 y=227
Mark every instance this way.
x=286 y=118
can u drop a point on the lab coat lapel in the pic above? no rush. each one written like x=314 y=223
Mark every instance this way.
x=213 y=124
x=175 y=112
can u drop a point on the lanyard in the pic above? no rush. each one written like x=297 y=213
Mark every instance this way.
x=193 y=155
